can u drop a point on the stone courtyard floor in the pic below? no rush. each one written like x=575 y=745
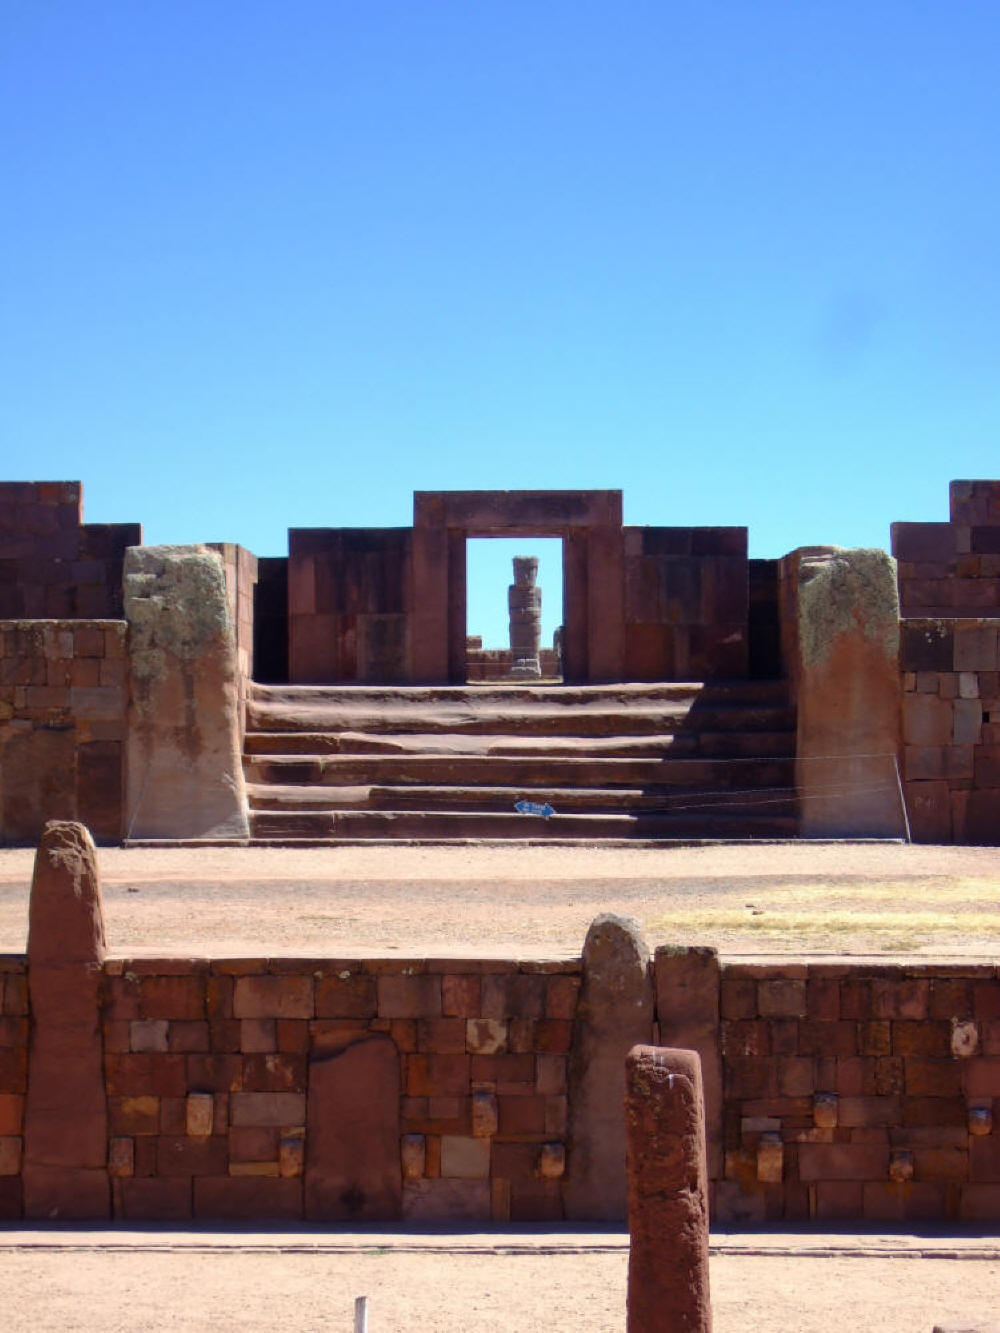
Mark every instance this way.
x=530 y=901
x=565 y=1281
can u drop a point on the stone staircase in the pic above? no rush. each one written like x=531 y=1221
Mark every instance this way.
x=450 y=763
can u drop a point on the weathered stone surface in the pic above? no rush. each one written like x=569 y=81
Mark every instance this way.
x=848 y=695
x=614 y=1014
x=353 y=1168
x=185 y=775
x=687 y=1010
x=65 y=1121
x=667 y=1193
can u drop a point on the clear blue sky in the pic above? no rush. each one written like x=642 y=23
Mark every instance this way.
x=279 y=264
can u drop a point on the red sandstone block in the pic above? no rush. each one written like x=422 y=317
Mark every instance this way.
x=899 y=999
x=550 y=1075
x=188 y=1037
x=152 y=1200
x=258 y=1035
x=842 y=1161
x=134 y=1115
x=941 y=1164
x=553 y=1036
x=165 y=967
x=781 y=998
x=561 y=997
x=144 y=1074
x=224 y=1035
x=116 y=1036
x=746 y=1038
x=868 y=1111
x=932 y=1038
x=556 y=1113
x=924 y=1111
x=838 y=1200
x=293 y=1036
x=932 y=1078
x=403 y=1031
x=991 y=1037
x=144 y=1156
x=329 y=1035
x=950 y=998
x=179 y=1155
x=796 y=1076
x=15 y=995
x=828 y=1039
x=518 y=1035
x=254 y=1144
x=986 y=998
x=437 y=1075
x=346 y=997
x=460 y=996
x=88 y=641
x=503 y=1068
x=172 y=997
x=213 y=1073
x=441 y=1036
x=748 y=1076
x=889 y=1080
x=274 y=1073
x=982 y=1076
x=984 y=1159
x=409 y=996
x=13 y=1031
x=914 y=1201
x=875 y=1038
x=980 y=1203
x=267 y=1108
x=855 y=998
x=248 y=1198
x=11 y=1113
x=173 y=1115
x=823 y=999
x=123 y=1000
x=519 y=996
x=273 y=997
x=219 y=997
x=738 y=994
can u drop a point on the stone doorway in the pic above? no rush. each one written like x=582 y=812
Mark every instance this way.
x=495 y=651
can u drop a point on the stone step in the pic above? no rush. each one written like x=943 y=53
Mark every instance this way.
x=515 y=771
x=520 y=696
x=572 y=720
x=446 y=826
x=751 y=801
x=357 y=742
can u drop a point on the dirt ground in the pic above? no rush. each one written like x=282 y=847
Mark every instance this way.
x=537 y=901
x=104 y=1282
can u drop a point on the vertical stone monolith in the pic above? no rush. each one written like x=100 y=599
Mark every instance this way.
x=615 y=1012
x=524 y=603
x=668 y=1289
x=185 y=771
x=66 y=1118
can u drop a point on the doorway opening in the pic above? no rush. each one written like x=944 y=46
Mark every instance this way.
x=496 y=654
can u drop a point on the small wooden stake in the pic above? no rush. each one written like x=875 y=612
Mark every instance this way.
x=361 y=1314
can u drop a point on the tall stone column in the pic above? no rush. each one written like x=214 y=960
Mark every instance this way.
x=66 y=1117
x=667 y=1193
x=524 y=602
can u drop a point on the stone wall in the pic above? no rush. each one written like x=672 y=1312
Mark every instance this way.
x=951 y=729
x=62 y=725
x=13 y=1080
x=952 y=569
x=52 y=565
x=686 y=603
x=860 y=1092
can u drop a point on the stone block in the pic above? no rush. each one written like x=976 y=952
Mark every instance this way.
x=437 y=1075
x=461 y=996
x=409 y=997
x=273 y=997
x=451 y=1202
x=153 y=1200
x=351 y=996
x=927 y=720
x=976 y=647
x=148 y=1034
x=291 y=1155
x=779 y=998
x=413 y=1153
x=465 y=1158
x=267 y=1108
x=551 y=1161
x=517 y=996
x=200 y=1111
x=121 y=1157
x=353 y=1156
x=247 y=1198
x=842 y=1162
x=485 y=1114
x=180 y=1155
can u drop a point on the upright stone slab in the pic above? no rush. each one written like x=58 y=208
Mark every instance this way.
x=65 y=1121
x=615 y=1012
x=848 y=695
x=353 y=1167
x=185 y=774
x=668 y=1288
x=687 y=1011
x=524 y=602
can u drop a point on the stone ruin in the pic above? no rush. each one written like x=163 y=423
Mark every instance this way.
x=146 y=690
x=524 y=601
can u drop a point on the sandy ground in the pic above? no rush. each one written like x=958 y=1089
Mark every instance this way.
x=102 y=1282
x=537 y=901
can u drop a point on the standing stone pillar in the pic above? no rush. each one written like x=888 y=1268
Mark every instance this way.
x=185 y=771
x=667 y=1193
x=615 y=1012
x=524 y=601
x=66 y=1117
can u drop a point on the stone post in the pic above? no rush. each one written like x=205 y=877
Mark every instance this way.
x=66 y=1117
x=524 y=601
x=668 y=1288
x=185 y=772
x=615 y=1012
x=848 y=695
